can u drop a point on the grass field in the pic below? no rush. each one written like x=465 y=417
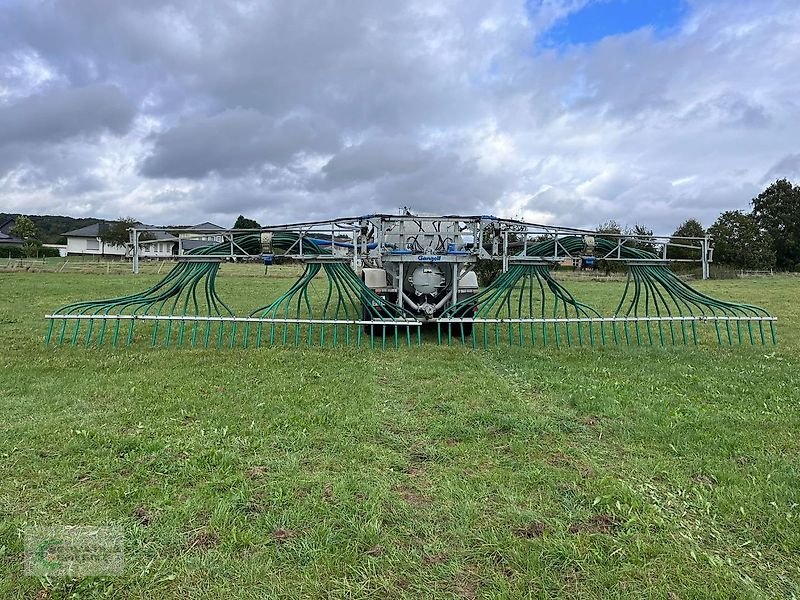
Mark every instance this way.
x=423 y=472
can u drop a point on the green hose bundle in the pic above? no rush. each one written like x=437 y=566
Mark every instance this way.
x=662 y=303
x=656 y=305
x=339 y=315
x=187 y=296
x=526 y=303
x=184 y=307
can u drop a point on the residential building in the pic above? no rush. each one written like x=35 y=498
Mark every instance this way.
x=163 y=243
x=6 y=239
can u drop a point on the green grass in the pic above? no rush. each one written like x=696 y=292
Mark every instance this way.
x=422 y=472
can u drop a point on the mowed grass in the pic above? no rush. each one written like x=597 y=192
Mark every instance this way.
x=423 y=472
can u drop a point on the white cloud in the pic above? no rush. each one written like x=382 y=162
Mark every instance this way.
x=288 y=110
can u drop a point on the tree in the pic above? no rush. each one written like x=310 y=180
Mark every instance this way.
x=610 y=227
x=23 y=228
x=116 y=233
x=643 y=238
x=689 y=228
x=31 y=247
x=776 y=210
x=244 y=223
x=614 y=228
x=740 y=243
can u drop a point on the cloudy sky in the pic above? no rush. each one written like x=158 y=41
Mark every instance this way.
x=560 y=111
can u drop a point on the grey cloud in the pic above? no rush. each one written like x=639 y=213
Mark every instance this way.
x=61 y=114
x=447 y=184
x=358 y=62
x=233 y=142
x=375 y=158
x=786 y=167
x=393 y=172
x=730 y=109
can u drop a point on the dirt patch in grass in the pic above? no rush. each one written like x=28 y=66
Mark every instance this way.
x=256 y=472
x=531 y=531
x=202 y=540
x=559 y=459
x=142 y=516
x=466 y=585
x=281 y=536
x=434 y=559
x=590 y=420
x=412 y=496
x=327 y=492
x=377 y=550
x=254 y=506
x=415 y=470
x=595 y=524
x=573 y=576
x=420 y=454
x=703 y=479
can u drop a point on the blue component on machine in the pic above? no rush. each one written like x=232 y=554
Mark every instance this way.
x=589 y=262
x=268 y=259
x=401 y=251
x=453 y=249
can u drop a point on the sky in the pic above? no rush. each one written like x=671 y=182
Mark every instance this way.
x=568 y=112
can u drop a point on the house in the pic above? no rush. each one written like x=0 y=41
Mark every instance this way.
x=210 y=235
x=6 y=239
x=190 y=241
x=162 y=243
x=86 y=240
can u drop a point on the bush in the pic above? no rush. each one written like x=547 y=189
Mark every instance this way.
x=722 y=272
x=487 y=271
x=19 y=252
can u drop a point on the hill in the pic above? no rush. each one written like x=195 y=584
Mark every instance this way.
x=52 y=227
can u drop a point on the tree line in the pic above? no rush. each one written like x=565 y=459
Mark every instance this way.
x=766 y=237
